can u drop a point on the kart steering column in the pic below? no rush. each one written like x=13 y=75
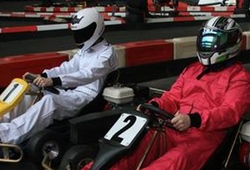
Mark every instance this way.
x=156 y=133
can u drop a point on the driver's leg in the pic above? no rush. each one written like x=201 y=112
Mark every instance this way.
x=21 y=108
x=190 y=153
x=37 y=117
x=131 y=160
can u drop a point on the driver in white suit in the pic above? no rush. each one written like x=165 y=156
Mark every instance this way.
x=83 y=77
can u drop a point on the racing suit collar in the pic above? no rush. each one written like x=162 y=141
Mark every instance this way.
x=98 y=45
x=216 y=67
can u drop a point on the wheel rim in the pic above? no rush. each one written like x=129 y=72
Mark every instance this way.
x=51 y=149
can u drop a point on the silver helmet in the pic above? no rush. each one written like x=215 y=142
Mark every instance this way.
x=219 y=39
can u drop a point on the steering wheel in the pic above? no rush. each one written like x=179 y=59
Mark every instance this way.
x=156 y=112
x=50 y=89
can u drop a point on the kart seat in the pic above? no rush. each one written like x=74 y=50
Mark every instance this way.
x=222 y=157
x=96 y=105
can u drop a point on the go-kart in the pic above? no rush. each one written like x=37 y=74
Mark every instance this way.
x=83 y=133
x=9 y=99
x=125 y=133
x=128 y=130
x=45 y=148
x=225 y=156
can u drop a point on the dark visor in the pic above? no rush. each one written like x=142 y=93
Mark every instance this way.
x=211 y=41
x=82 y=35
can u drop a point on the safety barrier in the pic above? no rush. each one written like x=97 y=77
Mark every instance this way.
x=129 y=54
x=52 y=27
x=246 y=40
x=184 y=47
x=110 y=20
x=62 y=17
x=30 y=8
x=114 y=15
x=155 y=51
x=15 y=66
x=146 y=52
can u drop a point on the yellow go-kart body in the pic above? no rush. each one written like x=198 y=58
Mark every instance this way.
x=12 y=95
x=9 y=98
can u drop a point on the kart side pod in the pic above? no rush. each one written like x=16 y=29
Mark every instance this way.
x=12 y=95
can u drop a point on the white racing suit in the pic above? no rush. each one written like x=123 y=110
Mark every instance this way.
x=85 y=72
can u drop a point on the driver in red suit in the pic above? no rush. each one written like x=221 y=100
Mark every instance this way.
x=208 y=98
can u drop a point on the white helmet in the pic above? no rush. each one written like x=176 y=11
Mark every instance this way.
x=218 y=40
x=87 y=26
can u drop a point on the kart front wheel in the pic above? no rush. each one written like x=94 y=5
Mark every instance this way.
x=45 y=142
x=77 y=157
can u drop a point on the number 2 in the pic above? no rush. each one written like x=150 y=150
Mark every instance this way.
x=131 y=120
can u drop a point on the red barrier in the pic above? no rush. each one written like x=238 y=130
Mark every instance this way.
x=31 y=28
x=15 y=66
x=146 y=52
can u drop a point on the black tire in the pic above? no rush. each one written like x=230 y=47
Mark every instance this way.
x=77 y=157
x=45 y=142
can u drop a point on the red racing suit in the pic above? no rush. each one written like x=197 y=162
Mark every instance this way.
x=219 y=98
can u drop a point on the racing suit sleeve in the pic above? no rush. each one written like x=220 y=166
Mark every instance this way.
x=72 y=74
x=170 y=99
x=65 y=68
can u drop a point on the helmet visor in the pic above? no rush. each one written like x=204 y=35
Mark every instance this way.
x=84 y=34
x=211 y=41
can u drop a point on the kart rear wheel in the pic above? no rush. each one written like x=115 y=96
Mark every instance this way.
x=45 y=142
x=77 y=157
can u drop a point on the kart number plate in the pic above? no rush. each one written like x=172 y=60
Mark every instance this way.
x=126 y=129
x=11 y=92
